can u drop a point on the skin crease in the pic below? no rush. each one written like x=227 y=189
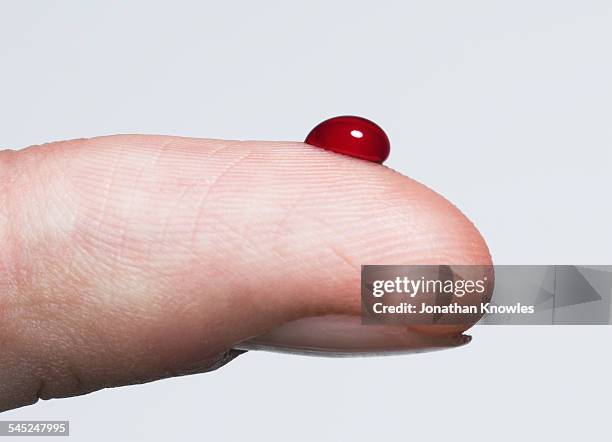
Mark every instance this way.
x=132 y=258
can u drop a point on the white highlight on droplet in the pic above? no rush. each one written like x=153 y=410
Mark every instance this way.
x=357 y=133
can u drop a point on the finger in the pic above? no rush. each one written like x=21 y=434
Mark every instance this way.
x=131 y=258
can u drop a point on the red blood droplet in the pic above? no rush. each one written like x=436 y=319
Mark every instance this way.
x=353 y=136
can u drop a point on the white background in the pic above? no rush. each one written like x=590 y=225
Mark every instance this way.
x=504 y=107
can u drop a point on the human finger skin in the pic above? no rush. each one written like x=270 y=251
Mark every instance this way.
x=131 y=258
